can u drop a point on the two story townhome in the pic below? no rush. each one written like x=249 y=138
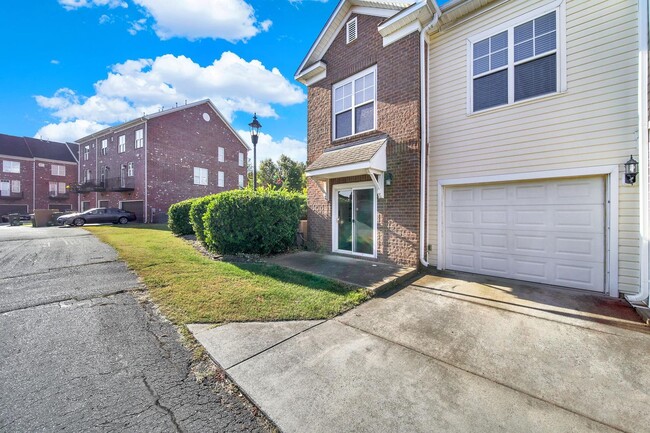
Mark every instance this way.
x=36 y=174
x=529 y=109
x=147 y=164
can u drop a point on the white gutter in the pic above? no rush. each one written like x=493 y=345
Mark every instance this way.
x=423 y=140
x=642 y=296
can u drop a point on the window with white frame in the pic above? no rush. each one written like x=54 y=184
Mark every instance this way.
x=241 y=180
x=87 y=175
x=104 y=147
x=58 y=170
x=200 y=176
x=221 y=154
x=11 y=166
x=354 y=104
x=86 y=152
x=519 y=62
x=241 y=159
x=57 y=188
x=129 y=169
x=220 y=179
x=15 y=186
x=4 y=188
x=121 y=144
x=139 y=138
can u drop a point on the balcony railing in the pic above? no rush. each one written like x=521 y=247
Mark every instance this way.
x=59 y=196
x=114 y=184
x=11 y=195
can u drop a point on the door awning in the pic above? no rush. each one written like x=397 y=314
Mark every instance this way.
x=352 y=160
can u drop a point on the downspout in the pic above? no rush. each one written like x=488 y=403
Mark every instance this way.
x=642 y=296
x=146 y=174
x=423 y=139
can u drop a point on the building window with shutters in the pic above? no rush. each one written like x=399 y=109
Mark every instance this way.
x=517 y=61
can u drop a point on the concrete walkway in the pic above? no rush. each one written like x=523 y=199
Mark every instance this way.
x=448 y=355
x=375 y=276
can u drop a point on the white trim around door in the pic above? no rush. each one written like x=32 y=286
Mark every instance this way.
x=352 y=187
x=611 y=173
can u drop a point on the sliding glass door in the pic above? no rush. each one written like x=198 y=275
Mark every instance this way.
x=355 y=221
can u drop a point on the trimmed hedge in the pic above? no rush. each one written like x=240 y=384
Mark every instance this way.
x=179 y=217
x=252 y=222
x=197 y=210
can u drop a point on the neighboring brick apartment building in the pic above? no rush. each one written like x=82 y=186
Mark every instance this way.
x=147 y=164
x=363 y=134
x=36 y=174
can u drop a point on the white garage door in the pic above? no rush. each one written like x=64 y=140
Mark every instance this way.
x=549 y=231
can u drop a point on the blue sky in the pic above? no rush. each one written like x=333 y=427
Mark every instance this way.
x=73 y=66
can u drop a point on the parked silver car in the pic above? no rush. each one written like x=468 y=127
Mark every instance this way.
x=97 y=215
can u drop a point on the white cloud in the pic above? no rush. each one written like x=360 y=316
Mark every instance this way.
x=68 y=131
x=146 y=85
x=54 y=62
x=232 y=20
x=269 y=148
x=137 y=26
x=105 y=19
x=76 y=4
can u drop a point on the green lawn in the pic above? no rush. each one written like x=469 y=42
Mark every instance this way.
x=191 y=288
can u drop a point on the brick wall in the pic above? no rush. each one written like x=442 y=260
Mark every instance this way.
x=398 y=116
x=26 y=178
x=43 y=177
x=182 y=140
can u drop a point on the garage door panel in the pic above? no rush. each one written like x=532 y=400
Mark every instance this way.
x=544 y=231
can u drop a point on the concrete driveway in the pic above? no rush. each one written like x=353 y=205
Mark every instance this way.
x=449 y=355
x=81 y=350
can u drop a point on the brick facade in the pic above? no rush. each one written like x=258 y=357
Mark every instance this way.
x=174 y=143
x=398 y=117
x=24 y=200
x=43 y=176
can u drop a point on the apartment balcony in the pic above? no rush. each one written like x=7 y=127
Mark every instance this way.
x=88 y=186
x=6 y=195
x=120 y=184
x=57 y=196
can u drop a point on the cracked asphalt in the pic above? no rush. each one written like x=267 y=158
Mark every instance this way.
x=81 y=351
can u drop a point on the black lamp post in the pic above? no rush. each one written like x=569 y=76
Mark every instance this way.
x=255 y=130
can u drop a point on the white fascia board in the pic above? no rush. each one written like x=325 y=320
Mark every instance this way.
x=315 y=79
x=340 y=171
x=404 y=31
x=313 y=73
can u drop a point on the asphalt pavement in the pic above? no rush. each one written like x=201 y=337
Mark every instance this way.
x=82 y=350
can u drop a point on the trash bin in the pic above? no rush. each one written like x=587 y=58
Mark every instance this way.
x=14 y=219
x=52 y=221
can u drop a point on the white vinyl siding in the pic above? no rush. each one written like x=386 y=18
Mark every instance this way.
x=139 y=138
x=121 y=144
x=593 y=124
x=221 y=154
x=220 y=179
x=11 y=166
x=200 y=176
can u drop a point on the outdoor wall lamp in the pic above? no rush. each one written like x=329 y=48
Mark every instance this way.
x=388 y=179
x=255 y=131
x=631 y=170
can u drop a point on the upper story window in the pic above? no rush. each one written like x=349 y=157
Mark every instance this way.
x=200 y=176
x=11 y=166
x=354 y=104
x=57 y=188
x=58 y=170
x=139 y=138
x=104 y=147
x=86 y=152
x=15 y=186
x=241 y=159
x=221 y=154
x=220 y=179
x=87 y=176
x=130 y=169
x=121 y=144
x=517 y=62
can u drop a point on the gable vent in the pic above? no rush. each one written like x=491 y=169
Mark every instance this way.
x=351 y=30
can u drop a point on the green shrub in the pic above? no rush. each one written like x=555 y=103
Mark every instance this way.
x=253 y=222
x=197 y=210
x=179 y=217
